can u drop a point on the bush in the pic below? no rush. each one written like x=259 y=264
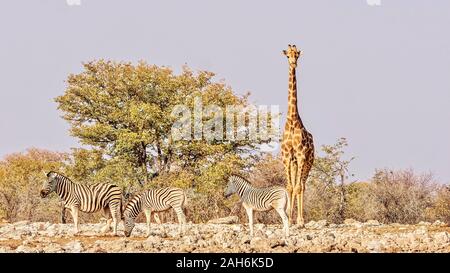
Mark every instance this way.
x=21 y=178
x=403 y=196
x=391 y=196
x=362 y=204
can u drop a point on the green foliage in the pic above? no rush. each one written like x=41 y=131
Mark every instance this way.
x=332 y=167
x=124 y=112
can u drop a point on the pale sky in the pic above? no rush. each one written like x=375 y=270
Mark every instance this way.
x=377 y=75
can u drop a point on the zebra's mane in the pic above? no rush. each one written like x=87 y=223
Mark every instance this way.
x=58 y=175
x=239 y=177
x=132 y=200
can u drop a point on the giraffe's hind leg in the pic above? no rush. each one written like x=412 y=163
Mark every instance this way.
x=287 y=162
x=300 y=193
x=292 y=191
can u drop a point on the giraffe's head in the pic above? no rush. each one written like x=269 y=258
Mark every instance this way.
x=292 y=53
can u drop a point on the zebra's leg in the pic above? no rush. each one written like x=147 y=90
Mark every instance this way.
x=107 y=213
x=74 y=211
x=63 y=214
x=249 y=211
x=148 y=218
x=116 y=216
x=285 y=220
x=156 y=217
x=181 y=219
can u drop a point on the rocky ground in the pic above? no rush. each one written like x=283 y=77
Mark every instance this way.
x=352 y=236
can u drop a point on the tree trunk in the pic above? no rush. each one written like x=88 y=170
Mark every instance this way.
x=343 y=199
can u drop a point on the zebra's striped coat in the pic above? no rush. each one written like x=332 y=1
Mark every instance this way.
x=86 y=198
x=154 y=200
x=260 y=199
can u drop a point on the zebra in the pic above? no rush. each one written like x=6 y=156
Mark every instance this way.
x=85 y=198
x=154 y=200
x=128 y=196
x=259 y=199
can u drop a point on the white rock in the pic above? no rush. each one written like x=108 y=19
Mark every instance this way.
x=74 y=247
x=442 y=237
x=225 y=220
x=439 y=223
x=372 y=223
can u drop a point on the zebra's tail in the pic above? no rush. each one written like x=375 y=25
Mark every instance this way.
x=122 y=204
x=121 y=209
x=184 y=207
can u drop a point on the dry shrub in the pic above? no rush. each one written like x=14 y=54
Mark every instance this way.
x=21 y=178
x=321 y=201
x=440 y=209
x=403 y=196
x=362 y=204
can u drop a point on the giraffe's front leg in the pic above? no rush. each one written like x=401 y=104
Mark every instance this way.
x=294 y=176
x=300 y=191
x=289 y=187
x=300 y=199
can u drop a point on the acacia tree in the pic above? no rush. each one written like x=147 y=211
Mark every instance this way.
x=333 y=168
x=326 y=196
x=124 y=113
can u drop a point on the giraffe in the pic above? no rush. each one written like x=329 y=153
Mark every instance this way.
x=297 y=147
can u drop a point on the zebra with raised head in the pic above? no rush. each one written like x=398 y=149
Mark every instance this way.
x=86 y=198
x=259 y=199
x=154 y=200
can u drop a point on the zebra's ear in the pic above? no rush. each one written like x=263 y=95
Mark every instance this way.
x=47 y=174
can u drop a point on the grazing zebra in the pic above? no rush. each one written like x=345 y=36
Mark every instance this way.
x=260 y=199
x=128 y=196
x=85 y=198
x=154 y=200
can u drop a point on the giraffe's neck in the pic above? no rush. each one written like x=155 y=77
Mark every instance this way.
x=292 y=97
